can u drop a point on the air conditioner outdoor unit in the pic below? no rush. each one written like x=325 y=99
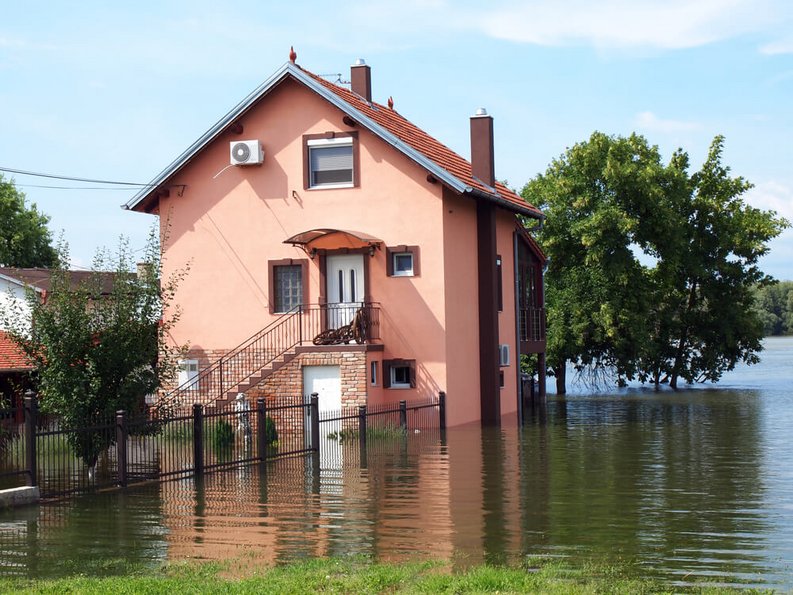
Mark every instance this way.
x=503 y=355
x=246 y=152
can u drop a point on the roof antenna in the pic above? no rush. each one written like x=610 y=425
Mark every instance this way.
x=292 y=54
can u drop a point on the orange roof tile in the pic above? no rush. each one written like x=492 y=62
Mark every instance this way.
x=422 y=142
x=11 y=356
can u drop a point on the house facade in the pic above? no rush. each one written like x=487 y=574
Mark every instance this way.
x=334 y=247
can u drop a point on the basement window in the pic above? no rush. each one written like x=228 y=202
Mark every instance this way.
x=399 y=373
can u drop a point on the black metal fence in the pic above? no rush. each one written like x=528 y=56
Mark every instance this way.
x=133 y=449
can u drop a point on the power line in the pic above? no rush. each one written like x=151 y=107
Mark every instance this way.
x=70 y=178
x=71 y=187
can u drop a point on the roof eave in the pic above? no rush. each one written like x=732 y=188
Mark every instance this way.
x=506 y=204
x=290 y=69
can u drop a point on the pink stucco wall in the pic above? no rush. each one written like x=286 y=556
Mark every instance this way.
x=230 y=222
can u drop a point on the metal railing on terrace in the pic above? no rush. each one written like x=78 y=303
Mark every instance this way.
x=256 y=358
x=532 y=324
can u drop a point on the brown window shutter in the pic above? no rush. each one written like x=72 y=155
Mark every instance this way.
x=386 y=373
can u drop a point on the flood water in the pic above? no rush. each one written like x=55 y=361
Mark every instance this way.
x=682 y=486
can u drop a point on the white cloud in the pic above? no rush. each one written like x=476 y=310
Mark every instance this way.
x=664 y=24
x=782 y=46
x=772 y=196
x=650 y=122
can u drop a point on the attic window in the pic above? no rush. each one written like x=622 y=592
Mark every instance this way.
x=330 y=160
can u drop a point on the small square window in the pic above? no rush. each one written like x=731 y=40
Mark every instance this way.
x=402 y=261
x=330 y=162
x=399 y=373
x=400 y=376
x=403 y=264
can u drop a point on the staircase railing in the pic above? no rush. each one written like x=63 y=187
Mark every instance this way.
x=301 y=325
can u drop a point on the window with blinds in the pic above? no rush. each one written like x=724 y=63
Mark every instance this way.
x=330 y=162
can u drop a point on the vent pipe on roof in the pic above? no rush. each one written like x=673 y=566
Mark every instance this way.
x=482 y=153
x=361 y=79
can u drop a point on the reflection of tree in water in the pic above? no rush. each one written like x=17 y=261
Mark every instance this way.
x=674 y=477
x=94 y=534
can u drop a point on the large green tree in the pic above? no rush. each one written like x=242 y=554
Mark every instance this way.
x=100 y=346
x=651 y=267
x=25 y=240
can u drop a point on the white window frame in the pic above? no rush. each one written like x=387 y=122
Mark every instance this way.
x=373 y=373
x=398 y=273
x=399 y=385
x=340 y=141
x=188 y=374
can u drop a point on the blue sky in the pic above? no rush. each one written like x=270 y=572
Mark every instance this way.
x=116 y=91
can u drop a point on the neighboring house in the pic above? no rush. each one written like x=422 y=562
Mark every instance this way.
x=14 y=367
x=309 y=207
x=14 y=285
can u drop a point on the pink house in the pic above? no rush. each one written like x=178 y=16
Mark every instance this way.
x=334 y=247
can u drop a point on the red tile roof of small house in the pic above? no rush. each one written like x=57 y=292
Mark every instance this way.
x=451 y=169
x=11 y=356
x=40 y=278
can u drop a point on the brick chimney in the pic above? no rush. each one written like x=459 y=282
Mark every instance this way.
x=482 y=160
x=361 y=79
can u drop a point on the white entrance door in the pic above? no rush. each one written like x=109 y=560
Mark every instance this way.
x=326 y=382
x=345 y=283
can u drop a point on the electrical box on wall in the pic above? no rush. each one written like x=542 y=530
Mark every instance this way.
x=246 y=152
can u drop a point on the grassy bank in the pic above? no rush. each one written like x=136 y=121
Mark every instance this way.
x=357 y=576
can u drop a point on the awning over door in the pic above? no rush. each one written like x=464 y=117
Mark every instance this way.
x=315 y=240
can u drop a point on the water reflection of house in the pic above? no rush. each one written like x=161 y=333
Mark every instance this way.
x=310 y=208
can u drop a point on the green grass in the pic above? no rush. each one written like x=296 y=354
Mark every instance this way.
x=387 y=432
x=359 y=575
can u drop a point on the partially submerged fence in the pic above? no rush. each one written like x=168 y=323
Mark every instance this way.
x=134 y=449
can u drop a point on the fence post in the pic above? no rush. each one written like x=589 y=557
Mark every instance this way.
x=362 y=425
x=403 y=415
x=261 y=428
x=198 y=439
x=315 y=422
x=121 y=447
x=362 y=434
x=442 y=409
x=31 y=413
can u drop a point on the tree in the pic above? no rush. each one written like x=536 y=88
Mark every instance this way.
x=25 y=240
x=651 y=268
x=100 y=346
x=774 y=306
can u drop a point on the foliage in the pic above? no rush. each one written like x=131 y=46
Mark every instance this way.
x=100 y=346
x=222 y=435
x=360 y=575
x=270 y=431
x=651 y=268
x=25 y=240
x=774 y=307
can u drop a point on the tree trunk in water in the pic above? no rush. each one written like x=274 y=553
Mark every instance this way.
x=681 y=345
x=560 y=371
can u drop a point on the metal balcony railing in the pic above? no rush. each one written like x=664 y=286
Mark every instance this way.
x=257 y=357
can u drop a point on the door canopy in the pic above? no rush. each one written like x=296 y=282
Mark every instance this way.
x=316 y=240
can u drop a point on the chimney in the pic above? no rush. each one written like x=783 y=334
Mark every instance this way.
x=482 y=161
x=361 y=79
